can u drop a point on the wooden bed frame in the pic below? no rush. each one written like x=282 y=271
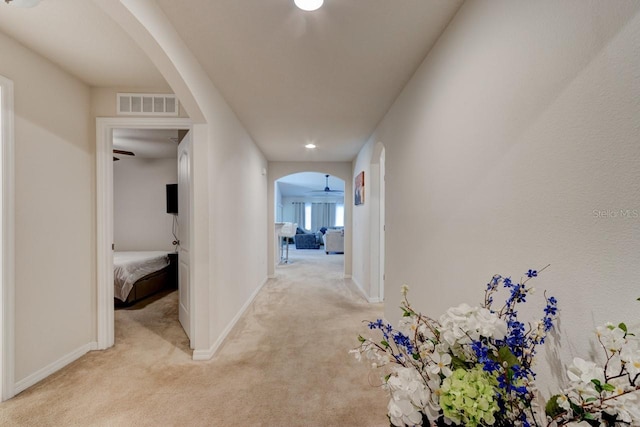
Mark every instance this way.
x=167 y=278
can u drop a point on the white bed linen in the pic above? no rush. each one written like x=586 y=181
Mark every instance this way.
x=128 y=267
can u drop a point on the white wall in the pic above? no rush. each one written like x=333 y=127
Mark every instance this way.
x=362 y=257
x=54 y=226
x=278 y=205
x=238 y=208
x=504 y=152
x=141 y=221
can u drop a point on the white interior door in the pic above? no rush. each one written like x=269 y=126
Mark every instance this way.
x=184 y=215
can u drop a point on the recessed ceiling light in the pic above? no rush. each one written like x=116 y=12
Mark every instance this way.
x=310 y=146
x=309 y=5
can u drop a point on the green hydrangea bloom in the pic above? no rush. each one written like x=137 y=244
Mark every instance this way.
x=468 y=397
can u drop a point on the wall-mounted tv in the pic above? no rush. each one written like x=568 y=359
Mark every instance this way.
x=172 y=198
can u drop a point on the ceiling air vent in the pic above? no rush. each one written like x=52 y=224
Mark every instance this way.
x=147 y=104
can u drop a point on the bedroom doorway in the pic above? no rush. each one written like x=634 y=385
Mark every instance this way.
x=7 y=241
x=151 y=170
x=106 y=129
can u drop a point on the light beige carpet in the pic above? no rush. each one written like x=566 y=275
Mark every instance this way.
x=286 y=363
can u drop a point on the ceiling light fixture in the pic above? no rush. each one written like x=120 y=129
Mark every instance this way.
x=22 y=3
x=310 y=146
x=309 y=5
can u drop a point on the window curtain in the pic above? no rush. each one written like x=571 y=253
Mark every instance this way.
x=322 y=215
x=298 y=213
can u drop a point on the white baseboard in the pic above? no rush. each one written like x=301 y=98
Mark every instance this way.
x=371 y=300
x=208 y=353
x=360 y=288
x=43 y=373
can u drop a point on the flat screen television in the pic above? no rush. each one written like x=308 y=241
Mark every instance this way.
x=172 y=198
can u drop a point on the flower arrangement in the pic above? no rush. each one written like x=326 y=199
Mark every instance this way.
x=473 y=367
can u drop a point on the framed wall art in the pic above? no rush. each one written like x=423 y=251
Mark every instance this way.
x=359 y=189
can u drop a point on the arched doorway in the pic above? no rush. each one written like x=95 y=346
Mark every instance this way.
x=278 y=170
x=315 y=203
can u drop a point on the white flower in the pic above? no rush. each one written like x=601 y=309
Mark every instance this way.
x=630 y=355
x=441 y=364
x=462 y=324
x=582 y=371
x=625 y=406
x=409 y=395
x=404 y=289
x=612 y=337
x=563 y=402
x=402 y=412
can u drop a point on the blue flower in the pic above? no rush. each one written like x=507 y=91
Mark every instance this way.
x=376 y=325
x=403 y=341
x=493 y=285
x=532 y=273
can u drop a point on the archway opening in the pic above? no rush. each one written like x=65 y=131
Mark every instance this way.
x=314 y=202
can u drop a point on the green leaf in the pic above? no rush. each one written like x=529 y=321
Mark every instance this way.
x=598 y=385
x=386 y=378
x=416 y=356
x=361 y=339
x=588 y=416
x=456 y=362
x=591 y=399
x=505 y=355
x=576 y=409
x=552 y=408
x=384 y=344
x=608 y=387
x=623 y=327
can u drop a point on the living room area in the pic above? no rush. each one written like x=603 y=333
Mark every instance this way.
x=312 y=206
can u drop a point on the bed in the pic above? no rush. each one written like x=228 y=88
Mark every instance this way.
x=137 y=275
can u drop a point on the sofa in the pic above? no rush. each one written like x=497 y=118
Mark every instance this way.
x=306 y=240
x=334 y=241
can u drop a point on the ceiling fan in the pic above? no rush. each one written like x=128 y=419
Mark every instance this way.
x=123 y=153
x=326 y=188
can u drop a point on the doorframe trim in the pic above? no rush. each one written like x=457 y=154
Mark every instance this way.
x=7 y=287
x=104 y=212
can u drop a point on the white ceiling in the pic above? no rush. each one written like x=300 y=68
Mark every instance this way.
x=292 y=77
x=310 y=185
x=147 y=143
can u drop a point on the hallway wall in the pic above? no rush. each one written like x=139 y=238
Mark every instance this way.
x=54 y=213
x=140 y=218
x=515 y=145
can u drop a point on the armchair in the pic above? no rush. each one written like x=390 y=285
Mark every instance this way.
x=334 y=241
